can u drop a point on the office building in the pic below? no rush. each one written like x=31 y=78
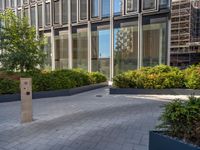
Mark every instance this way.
x=110 y=36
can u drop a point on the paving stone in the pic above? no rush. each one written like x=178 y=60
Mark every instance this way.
x=81 y=122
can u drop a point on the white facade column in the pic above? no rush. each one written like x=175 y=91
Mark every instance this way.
x=89 y=47
x=111 y=41
x=140 y=41
x=69 y=35
x=169 y=43
x=53 y=48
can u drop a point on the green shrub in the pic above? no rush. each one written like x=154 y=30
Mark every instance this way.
x=97 y=77
x=46 y=81
x=158 y=77
x=8 y=86
x=181 y=119
x=126 y=80
x=192 y=77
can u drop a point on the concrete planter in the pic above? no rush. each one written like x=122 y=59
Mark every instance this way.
x=158 y=141
x=56 y=93
x=154 y=91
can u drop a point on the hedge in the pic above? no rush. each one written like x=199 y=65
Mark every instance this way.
x=159 y=77
x=46 y=81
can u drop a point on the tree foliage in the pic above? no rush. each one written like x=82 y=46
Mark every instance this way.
x=21 y=49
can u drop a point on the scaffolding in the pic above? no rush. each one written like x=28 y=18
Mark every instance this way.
x=185 y=32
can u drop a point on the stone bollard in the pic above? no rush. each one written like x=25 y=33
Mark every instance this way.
x=26 y=100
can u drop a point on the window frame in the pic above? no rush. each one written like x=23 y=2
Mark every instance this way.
x=133 y=12
x=99 y=11
x=79 y=11
x=150 y=10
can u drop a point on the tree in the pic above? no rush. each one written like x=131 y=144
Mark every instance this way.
x=21 y=50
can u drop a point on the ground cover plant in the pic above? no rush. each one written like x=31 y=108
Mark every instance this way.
x=46 y=81
x=159 y=77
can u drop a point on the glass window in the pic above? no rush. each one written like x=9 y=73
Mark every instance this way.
x=149 y=4
x=12 y=3
x=40 y=14
x=61 y=51
x=25 y=12
x=56 y=12
x=65 y=12
x=18 y=2
x=131 y=6
x=105 y=4
x=33 y=22
x=47 y=50
x=6 y=3
x=94 y=8
x=117 y=7
x=80 y=49
x=25 y=1
x=47 y=14
x=164 y=3
x=74 y=11
x=155 y=41
x=125 y=47
x=1 y=5
x=19 y=13
x=101 y=51
x=83 y=9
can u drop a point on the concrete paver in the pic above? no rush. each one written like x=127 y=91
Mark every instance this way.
x=81 y=122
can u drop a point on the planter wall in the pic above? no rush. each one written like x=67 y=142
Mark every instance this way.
x=154 y=91
x=158 y=141
x=56 y=93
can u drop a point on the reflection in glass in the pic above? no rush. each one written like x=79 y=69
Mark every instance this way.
x=47 y=50
x=40 y=23
x=125 y=47
x=105 y=4
x=74 y=11
x=149 y=4
x=131 y=5
x=61 y=51
x=117 y=7
x=56 y=12
x=95 y=8
x=83 y=9
x=47 y=14
x=80 y=49
x=64 y=11
x=101 y=51
x=33 y=22
x=155 y=42
x=164 y=3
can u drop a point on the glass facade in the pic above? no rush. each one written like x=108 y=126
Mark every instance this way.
x=61 y=51
x=47 y=14
x=105 y=8
x=33 y=22
x=154 y=41
x=47 y=50
x=125 y=46
x=80 y=49
x=95 y=8
x=101 y=51
x=135 y=34
x=64 y=11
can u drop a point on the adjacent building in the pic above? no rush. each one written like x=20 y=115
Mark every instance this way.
x=110 y=36
x=185 y=33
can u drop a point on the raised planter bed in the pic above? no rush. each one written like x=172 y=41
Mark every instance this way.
x=158 y=141
x=56 y=93
x=154 y=91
